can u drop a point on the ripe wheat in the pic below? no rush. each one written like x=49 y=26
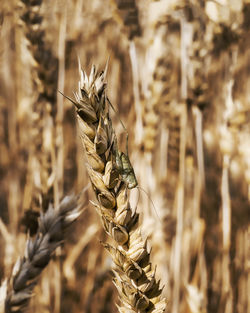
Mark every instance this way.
x=15 y=295
x=134 y=274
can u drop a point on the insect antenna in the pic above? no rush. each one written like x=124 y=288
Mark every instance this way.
x=151 y=201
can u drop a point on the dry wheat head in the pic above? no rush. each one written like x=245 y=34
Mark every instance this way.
x=52 y=227
x=134 y=274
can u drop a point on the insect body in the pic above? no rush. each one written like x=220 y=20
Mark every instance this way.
x=125 y=167
x=123 y=163
x=127 y=173
x=126 y=170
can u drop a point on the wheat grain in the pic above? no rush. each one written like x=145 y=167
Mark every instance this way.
x=134 y=274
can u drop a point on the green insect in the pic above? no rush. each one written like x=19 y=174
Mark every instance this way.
x=124 y=165
x=126 y=171
x=122 y=160
x=125 y=168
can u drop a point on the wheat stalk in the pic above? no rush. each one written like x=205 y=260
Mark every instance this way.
x=44 y=75
x=46 y=63
x=52 y=227
x=134 y=274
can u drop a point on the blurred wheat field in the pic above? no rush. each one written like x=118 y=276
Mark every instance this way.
x=178 y=78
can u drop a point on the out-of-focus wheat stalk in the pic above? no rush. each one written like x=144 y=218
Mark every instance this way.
x=46 y=63
x=45 y=162
x=127 y=13
x=134 y=274
x=51 y=232
x=44 y=68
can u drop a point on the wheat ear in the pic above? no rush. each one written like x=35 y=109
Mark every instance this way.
x=52 y=227
x=134 y=274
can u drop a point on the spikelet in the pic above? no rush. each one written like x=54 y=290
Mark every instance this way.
x=134 y=274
